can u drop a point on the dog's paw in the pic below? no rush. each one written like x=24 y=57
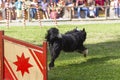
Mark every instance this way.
x=50 y=68
x=85 y=52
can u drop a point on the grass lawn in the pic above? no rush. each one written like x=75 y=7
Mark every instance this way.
x=102 y=63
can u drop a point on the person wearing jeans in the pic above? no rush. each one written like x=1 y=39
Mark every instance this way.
x=99 y=6
x=85 y=9
x=33 y=10
x=81 y=6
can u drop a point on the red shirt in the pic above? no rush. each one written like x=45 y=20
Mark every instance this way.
x=99 y=2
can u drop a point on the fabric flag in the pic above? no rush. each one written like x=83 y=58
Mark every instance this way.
x=21 y=62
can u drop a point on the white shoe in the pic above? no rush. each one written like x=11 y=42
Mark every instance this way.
x=87 y=18
x=115 y=17
x=79 y=17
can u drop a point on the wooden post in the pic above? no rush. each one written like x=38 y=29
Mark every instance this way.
x=1 y=54
x=106 y=7
x=38 y=15
x=45 y=59
x=10 y=17
x=7 y=11
x=28 y=14
x=55 y=18
x=24 y=22
x=54 y=11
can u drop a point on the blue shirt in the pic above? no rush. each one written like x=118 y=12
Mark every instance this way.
x=18 y=5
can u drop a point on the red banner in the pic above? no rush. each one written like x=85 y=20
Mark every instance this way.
x=24 y=61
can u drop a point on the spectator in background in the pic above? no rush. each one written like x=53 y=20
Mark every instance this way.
x=0 y=10
x=116 y=8
x=81 y=5
x=0 y=2
x=61 y=7
x=108 y=7
x=52 y=1
x=70 y=6
x=119 y=8
x=44 y=7
x=25 y=8
x=92 y=8
x=99 y=6
x=53 y=11
x=13 y=13
x=74 y=2
x=9 y=6
x=2 y=6
x=18 y=6
x=39 y=2
x=112 y=8
x=69 y=3
x=27 y=4
x=33 y=10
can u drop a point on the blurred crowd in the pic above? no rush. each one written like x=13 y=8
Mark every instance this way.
x=51 y=9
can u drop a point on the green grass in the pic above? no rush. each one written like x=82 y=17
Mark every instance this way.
x=102 y=63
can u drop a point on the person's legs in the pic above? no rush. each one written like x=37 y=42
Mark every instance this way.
x=31 y=13
x=34 y=12
x=78 y=12
x=19 y=15
x=119 y=12
x=46 y=14
x=94 y=10
x=97 y=11
x=116 y=12
x=3 y=14
x=108 y=11
x=86 y=11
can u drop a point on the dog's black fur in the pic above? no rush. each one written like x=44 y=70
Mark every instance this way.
x=68 y=42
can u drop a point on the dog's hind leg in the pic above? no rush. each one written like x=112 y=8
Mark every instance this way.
x=83 y=50
x=55 y=51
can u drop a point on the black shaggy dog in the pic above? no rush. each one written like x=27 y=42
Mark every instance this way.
x=68 y=42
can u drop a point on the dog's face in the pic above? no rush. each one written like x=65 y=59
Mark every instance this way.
x=52 y=34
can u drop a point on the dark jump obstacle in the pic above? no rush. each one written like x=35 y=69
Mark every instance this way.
x=21 y=60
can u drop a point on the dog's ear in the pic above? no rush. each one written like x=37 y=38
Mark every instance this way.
x=84 y=29
x=47 y=35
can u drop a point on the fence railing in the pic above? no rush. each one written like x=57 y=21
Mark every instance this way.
x=71 y=17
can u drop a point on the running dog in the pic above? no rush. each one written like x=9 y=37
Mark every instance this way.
x=70 y=41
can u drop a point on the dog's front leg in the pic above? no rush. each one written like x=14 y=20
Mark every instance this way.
x=51 y=64
x=54 y=51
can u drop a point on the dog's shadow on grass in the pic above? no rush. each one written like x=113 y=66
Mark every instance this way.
x=90 y=62
x=97 y=56
x=111 y=52
x=100 y=60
